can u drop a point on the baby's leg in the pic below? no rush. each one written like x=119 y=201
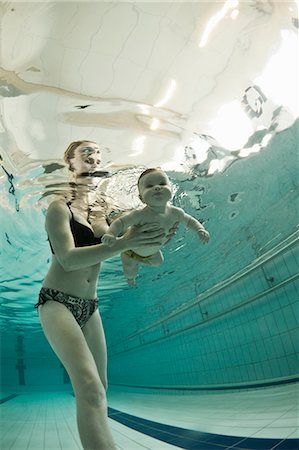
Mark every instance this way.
x=130 y=268
x=155 y=260
x=130 y=265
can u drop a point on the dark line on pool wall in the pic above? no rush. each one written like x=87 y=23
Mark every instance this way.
x=5 y=399
x=212 y=388
x=197 y=440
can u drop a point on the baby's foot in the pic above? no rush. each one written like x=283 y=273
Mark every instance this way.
x=131 y=281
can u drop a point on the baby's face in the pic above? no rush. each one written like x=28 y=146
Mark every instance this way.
x=155 y=188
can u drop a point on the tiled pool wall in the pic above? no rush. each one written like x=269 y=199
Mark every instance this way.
x=241 y=332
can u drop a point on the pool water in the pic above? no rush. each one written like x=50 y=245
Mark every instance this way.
x=203 y=351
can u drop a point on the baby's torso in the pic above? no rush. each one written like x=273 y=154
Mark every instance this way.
x=167 y=221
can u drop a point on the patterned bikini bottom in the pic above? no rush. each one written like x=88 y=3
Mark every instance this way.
x=81 y=308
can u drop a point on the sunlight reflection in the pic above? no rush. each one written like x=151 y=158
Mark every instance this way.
x=167 y=95
x=155 y=124
x=234 y=14
x=244 y=152
x=213 y=22
x=177 y=161
x=231 y=127
x=138 y=146
x=280 y=76
x=144 y=109
x=217 y=165
x=200 y=149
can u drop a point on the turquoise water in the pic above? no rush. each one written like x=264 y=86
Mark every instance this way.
x=223 y=314
x=203 y=351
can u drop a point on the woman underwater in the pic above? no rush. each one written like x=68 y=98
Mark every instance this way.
x=68 y=304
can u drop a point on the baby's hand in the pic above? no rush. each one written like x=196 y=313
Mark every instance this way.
x=204 y=236
x=108 y=239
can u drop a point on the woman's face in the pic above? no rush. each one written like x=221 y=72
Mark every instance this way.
x=87 y=158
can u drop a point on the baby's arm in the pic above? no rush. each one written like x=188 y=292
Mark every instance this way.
x=194 y=224
x=118 y=227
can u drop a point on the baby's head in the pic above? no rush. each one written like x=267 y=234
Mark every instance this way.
x=154 y=186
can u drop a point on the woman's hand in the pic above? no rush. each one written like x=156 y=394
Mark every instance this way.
x=108 y=239
x=172 y=231
x=149 y=234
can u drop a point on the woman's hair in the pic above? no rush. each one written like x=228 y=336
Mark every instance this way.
x=70 y=152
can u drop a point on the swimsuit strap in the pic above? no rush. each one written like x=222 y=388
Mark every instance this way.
x=69 y=207
x=88 y=212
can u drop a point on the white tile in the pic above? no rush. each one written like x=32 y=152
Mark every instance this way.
x=38 y=420
x=237 y=413
x=131 y=439
x=274 y=433
x=285 y=422
x=294 y=434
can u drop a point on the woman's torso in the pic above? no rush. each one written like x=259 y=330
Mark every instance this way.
x=82 y=282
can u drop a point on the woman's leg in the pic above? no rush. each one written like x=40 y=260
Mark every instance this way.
x=68 y=342
x=95 y=338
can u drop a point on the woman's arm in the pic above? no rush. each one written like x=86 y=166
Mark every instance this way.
x=75 y=258
x=119 y=226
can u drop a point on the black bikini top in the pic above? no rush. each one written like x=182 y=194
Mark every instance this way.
x=83 y=235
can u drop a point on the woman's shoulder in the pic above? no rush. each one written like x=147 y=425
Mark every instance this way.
x=57 y=206
x=57 y=215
